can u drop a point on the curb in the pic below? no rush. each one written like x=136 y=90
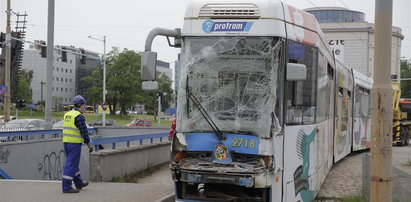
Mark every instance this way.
x=168 y=198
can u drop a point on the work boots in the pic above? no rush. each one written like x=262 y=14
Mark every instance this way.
x=84 y=185
x=70 y=191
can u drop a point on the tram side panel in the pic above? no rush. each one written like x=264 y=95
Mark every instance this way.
x=325 y=105
x=362 y=112
x=343 y=113
x=308 y=136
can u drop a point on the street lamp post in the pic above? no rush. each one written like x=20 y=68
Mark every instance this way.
x=104 y=75
x=41 y=96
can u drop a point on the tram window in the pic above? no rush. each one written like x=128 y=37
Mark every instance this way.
x=301 y=95
x=330 y=70
x=362 y=102
x=323 y=90
x=349 y=93
x=366 y=105
x=340 y=91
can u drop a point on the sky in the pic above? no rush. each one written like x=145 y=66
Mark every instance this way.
x=126 y=23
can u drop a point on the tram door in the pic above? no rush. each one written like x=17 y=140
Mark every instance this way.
x=343 y=114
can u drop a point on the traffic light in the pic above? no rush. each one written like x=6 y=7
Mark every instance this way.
x=83 y=56
x=20 y=104
x=3 y=50
x=64 y=55
x=43 y=49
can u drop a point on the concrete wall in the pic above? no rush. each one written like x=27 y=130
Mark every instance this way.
x=126 y=160
x=38 y=160
x=124 y=131
x=44 y=159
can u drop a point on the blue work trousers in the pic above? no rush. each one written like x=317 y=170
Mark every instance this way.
x=71 y=167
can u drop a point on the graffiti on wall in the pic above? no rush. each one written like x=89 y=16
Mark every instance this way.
x=4 y=155
x=52 y=166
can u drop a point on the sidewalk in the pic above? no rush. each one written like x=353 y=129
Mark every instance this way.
x=345 y=177
x=151 y=188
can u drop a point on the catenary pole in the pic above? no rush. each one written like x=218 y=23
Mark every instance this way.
x=104 y=80
x=50 y=58
x=381 y=96
x=7 y=97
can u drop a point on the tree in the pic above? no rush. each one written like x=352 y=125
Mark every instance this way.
x=123 y=83
x=405 y=84
x=164 y=85
x=94 y=94
x=24 y=91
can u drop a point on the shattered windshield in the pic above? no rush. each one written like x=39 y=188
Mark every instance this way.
x=235 y=81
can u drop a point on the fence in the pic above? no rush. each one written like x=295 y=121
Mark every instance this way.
x=42 y=157
x=34 y=134
x=128 y=139
x=97 y=142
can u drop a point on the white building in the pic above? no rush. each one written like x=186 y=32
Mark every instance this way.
x=63 y=86
x=65 y=73
x=164 y=67
x=352 y=38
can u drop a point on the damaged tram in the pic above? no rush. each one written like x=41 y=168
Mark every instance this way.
x=264 y=110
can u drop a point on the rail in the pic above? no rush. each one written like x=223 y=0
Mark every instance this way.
x=25 y=134
x=128 y=139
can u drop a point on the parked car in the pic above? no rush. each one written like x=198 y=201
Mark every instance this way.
x=99 y=122
x=24 y=124
x=2 y=119
x=59 y=125
x=140 y=122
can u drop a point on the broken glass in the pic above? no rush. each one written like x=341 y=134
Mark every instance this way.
x=235 y=80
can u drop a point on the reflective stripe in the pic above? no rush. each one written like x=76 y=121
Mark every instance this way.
x=67 y=177
x=71 y=135
x=69 y=128
x=78 y=173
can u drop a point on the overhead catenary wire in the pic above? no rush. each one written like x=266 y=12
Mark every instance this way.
x=126 y=40
x=344 y=27
x=57 y=48
x=344 y=4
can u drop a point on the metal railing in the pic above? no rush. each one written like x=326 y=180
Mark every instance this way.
x=19 y=129
x=41 y=134
x=95 y=141
x=128 y=139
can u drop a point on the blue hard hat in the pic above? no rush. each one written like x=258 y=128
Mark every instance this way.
x=78 y=100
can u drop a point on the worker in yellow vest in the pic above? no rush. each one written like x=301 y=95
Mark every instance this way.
x=74 y=134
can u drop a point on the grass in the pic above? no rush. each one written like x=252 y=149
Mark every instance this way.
x=121 y=120
x=134 y=177
x=352 y=198
x=358 y=197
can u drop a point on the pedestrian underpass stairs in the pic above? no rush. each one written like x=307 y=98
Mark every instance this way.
x=42 y=157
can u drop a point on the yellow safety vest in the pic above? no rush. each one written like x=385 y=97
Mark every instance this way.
x=71 y=133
